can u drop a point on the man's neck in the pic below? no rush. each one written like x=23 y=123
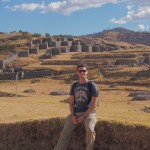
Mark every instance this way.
x=83 y=80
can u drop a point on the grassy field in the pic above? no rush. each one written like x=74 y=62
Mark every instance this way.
x=115 y=104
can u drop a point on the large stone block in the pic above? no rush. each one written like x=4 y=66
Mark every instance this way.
x=54 y=44
x=87 y=48
x=147 y=59
x=48 y=39
x=77 y=42
x=37 y=41
x=66 y=43
x=64 y=39
x=64 y=49
x=55 y=51
x=33 y=51
x=95 y=48
x=43 y=45
x=2 y=64
x=126 y=61
x=76 y=48
x=23 y=53
x=103 y=48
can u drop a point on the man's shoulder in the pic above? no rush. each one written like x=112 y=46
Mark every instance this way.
x=74 y=84
x=91 y=83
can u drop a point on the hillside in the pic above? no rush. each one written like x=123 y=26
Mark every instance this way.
x=116 y=71
x=123 y=35
x=34 y=105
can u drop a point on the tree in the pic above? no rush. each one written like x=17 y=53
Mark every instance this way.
x=47 y=35
x=36 y=35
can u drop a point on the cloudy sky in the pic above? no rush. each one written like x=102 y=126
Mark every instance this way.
x=73 y=17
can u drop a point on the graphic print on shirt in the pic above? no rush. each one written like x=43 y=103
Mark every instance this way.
x=81 y=94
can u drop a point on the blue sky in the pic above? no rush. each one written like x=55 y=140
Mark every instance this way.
x=73 y=17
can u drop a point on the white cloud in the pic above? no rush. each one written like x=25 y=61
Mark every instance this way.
x=138 y=2
x=26 y=7
x=143 y=27
x=137 y=10
x=65 y=7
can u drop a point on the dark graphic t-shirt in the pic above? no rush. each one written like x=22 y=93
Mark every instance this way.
x=82 y=95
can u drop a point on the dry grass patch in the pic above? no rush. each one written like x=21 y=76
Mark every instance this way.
x=44 y=134
x=114 y=105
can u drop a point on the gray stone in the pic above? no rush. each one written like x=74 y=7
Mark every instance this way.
x=95 y=48
x=55 y=51
x=64 y=49
x=66 y=43
x=37 y=41
x=59 y=92
x=44 y=40
x=76 y=42
x=33 y=51
x=124 y=61
x=29 y=91
x=24 y=53
x=76 y=48
x=43 y=45
x=54 y=44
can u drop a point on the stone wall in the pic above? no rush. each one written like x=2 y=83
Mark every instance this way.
x=147 y=60
x=64 y=49
x=76 y=42
x=37 y=41
x=103 y=48
x=64 y=39
x=29 y=44
x=43 y=45
x=2 y=65
x=86 y=47
x=60 y=45
x=7 y=76
x=125 y=61
x=74 y=45
x=55 y=51
x=54 y=44
x=33 y=51
x=23 y=53
x=76 y=48
x=66 y=43
x=95 y=48
x=48 y=39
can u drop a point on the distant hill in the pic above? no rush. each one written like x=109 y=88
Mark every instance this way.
x=123 y=35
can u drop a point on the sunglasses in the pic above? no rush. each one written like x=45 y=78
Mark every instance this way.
x=82 y=71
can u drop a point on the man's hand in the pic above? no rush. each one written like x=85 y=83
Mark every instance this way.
x=75 y=119
x=81 y=119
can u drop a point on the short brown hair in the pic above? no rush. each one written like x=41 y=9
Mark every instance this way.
x=82 y=65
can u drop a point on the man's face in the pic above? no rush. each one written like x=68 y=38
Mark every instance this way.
x=82 y=72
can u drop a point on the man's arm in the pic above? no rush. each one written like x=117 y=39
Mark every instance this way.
x=71 y=107
x=92 y=106
x=71 y=104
